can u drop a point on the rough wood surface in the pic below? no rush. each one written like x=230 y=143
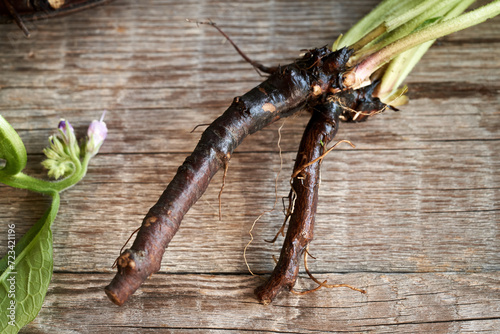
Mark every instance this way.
x=411 y=214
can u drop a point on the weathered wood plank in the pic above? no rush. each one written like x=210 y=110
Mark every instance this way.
x=437 y=236
x=395 y=303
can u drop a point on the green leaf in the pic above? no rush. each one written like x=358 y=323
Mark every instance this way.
x=26 y=269
x=26 y=279
x=11 y=149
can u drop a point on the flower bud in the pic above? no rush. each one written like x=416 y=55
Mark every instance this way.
x=96 y=135
x=65 y=126
x=62 y=152
x=67 y=136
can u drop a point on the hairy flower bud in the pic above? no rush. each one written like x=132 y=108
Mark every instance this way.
x=67 y=133
x=96 y=133
x=63 y=151
x=65 y=126
x=58 y=162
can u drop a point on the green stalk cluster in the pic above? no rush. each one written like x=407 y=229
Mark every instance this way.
x=399 y=34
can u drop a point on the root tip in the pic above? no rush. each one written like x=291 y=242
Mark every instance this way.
x=113 y=297
x=266 y=293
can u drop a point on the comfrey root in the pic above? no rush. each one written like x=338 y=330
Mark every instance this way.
x=302 y=84
x=320 y=130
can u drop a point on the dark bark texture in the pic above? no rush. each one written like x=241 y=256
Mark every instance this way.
x=320 y=131
x=304 y=199
x=36 y=10
x=288 y=89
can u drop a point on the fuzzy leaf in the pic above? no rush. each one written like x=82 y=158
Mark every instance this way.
x=32 y=269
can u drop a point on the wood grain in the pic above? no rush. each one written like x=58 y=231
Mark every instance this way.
x=194 y=303
x=411 y=214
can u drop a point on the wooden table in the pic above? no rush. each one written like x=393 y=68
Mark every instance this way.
x=411 y=214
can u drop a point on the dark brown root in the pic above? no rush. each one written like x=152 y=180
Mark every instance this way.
x=320 y=129
x=285 y=92
x=226 y=167
x=17 y=18
x=305 y=184
x=23 y=11
x=281 y=231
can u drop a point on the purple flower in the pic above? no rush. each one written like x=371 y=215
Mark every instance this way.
x=67 y=133
x=64 y=125
x=96 y=135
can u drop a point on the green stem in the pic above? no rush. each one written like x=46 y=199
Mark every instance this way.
x=372 y=35
x=406 y=28
x=387 y=16
x=12 y=149
x=395 y=21
x=399 y=68
x=23 y=181
x=371 y=21
x=403 y=64
x=370 y=64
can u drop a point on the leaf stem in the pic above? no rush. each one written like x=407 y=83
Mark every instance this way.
x=24 y=181
x=403 y=64
x=395 y=21
x=370 y=64
x=407 y=27
x=369 y=22
x=387 y=16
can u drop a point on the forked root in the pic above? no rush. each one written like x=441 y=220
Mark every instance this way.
x=290 y=88
x=305 y=184
x=321 y=284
